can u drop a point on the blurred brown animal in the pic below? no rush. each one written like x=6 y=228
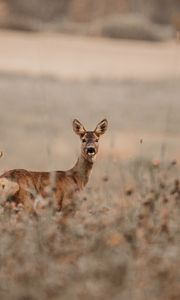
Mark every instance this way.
x=59 y=185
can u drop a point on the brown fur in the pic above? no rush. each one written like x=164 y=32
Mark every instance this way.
x=62 y=185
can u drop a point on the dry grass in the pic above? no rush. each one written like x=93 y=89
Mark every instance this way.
x=122 y=243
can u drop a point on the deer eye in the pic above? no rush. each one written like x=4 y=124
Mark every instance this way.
x=96 y=140
x=83 y=140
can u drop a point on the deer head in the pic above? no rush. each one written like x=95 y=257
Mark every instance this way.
x=90 y=139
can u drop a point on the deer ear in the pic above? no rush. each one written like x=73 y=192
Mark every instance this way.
x=78 y=127
x=101 y=127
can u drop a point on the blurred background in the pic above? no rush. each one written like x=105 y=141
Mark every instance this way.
x=65 y=59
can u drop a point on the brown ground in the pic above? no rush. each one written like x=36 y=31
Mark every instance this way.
x=72 y=57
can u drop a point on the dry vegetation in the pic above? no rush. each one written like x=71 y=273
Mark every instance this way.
x=122 y=242
x=129 y=19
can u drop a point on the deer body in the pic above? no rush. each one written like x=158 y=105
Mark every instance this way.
x=62 y=185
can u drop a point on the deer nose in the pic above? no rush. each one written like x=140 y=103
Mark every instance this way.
x=90 y=150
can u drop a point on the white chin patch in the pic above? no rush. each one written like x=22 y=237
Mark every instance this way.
x=91 y=154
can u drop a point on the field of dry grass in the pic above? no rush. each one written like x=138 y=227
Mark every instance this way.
x=123 y=240
x=36 y=116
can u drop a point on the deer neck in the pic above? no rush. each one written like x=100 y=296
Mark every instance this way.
x=82 y=170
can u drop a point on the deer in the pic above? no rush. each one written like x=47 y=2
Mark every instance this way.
x=63 y=185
